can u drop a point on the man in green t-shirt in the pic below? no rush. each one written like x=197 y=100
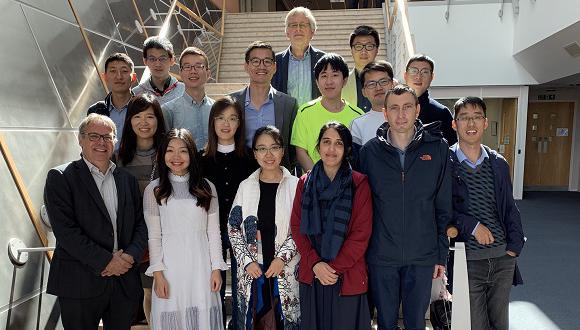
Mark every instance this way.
x=331 y=73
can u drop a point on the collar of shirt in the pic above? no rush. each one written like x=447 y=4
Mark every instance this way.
x=95 y=170
x=294 y=58
x=190 y=99
x=123 y=108
x=249 y=99
x=461 y=157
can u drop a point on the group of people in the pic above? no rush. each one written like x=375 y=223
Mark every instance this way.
x=331 y=190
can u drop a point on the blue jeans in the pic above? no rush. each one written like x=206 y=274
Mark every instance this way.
x=392 y=285
x=490 y=282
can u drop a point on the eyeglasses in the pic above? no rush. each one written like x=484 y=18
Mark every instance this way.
x=196 y=67
x=263 y=150
x=368 y=47
x=223 y=120
x=406 y=108
x=372 y=84
x=415 y=71
x=255 y=62
x=302 y=26
x=160 y=59
x=476 y=119
x=94 y=137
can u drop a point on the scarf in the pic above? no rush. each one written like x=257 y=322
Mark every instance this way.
x=326 y=209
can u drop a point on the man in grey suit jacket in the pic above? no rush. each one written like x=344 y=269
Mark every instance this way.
x=96 y=214
x=263 y=104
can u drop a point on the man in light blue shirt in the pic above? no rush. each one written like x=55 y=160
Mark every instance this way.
x=257 y=117
x=295 y=72
x=191 y=110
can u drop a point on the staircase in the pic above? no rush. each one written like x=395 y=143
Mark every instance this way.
x=332 y=35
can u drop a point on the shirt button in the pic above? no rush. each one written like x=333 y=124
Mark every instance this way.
x=226 y=168
x=227 y=183
x=227 y=199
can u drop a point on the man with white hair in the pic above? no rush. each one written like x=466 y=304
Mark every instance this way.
x=295 y=65
x=96 y=214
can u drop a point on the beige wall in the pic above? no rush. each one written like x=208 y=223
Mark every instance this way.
x=232 y=6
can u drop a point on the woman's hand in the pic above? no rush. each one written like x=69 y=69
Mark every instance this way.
x=253 y=269
x=275 y=268
x=215 y=280
x=325 y=274
x=160 y=285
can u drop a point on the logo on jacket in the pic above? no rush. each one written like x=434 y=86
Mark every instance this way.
x=426 y=157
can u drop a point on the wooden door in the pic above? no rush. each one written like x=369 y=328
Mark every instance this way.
x=548 y=144
x=507 y=138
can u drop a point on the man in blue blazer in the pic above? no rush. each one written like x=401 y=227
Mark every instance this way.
x=295 y=73
x=96 y=214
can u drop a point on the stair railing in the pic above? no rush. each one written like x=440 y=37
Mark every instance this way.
x=18 y=254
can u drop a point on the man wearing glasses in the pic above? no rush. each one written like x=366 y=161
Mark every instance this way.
x=419 y=75
x=191 y=109
x=295 y=74
x=118 y=75
x=376 y=79
x=158 y=56
x=263 y=104
x=96 y=214
x=364 y=46
x=487 y=217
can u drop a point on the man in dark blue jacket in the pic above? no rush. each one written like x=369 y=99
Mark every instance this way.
x=295 y=65
x=419 y=75
x=487 y=218
x=408 y=168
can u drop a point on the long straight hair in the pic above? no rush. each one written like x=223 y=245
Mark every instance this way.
x=136 y=105
x=218 y=108
x=198 y=186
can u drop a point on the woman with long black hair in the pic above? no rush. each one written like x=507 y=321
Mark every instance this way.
x=181 y=212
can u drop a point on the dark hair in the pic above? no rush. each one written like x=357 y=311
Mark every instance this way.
x=344 y=134
x=217 y=109
x=136 y=105
x=382 y=66
x=469 y=100
x=158 y=43
x=268 y=130
x=121 y=57
x=258 y=45
x=420 y=58
x=335 y=61
x=194 y=51
x=198 y=186
x=365 y=30
x=400 y=90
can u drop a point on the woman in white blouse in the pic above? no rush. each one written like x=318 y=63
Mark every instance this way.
x=181 y=211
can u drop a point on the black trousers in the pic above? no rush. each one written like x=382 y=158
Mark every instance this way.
x=113 y=307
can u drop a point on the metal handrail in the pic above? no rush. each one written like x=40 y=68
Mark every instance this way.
x=16 y=251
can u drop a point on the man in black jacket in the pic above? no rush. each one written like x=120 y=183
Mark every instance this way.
x=407 y=164
x=119 y=76
x=419 y=75
x=96 y=214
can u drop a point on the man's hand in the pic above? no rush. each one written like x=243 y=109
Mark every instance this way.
x=325 y=274
x=483 y=235
x=438 y=272
x=215 y=281
x=253 y=269
x=119 y=265
x=160 y=285
x=511 y=253
x=275 y=268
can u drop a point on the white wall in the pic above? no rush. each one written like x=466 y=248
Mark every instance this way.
x=474 y=48
x=539 y=19
x=568 y=94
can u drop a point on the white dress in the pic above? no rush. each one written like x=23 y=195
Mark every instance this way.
x=184 y=243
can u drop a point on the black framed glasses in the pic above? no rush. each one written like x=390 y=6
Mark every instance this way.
x=372 y=84
x=255 y=62
x=368 y=47
x=94 y=137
